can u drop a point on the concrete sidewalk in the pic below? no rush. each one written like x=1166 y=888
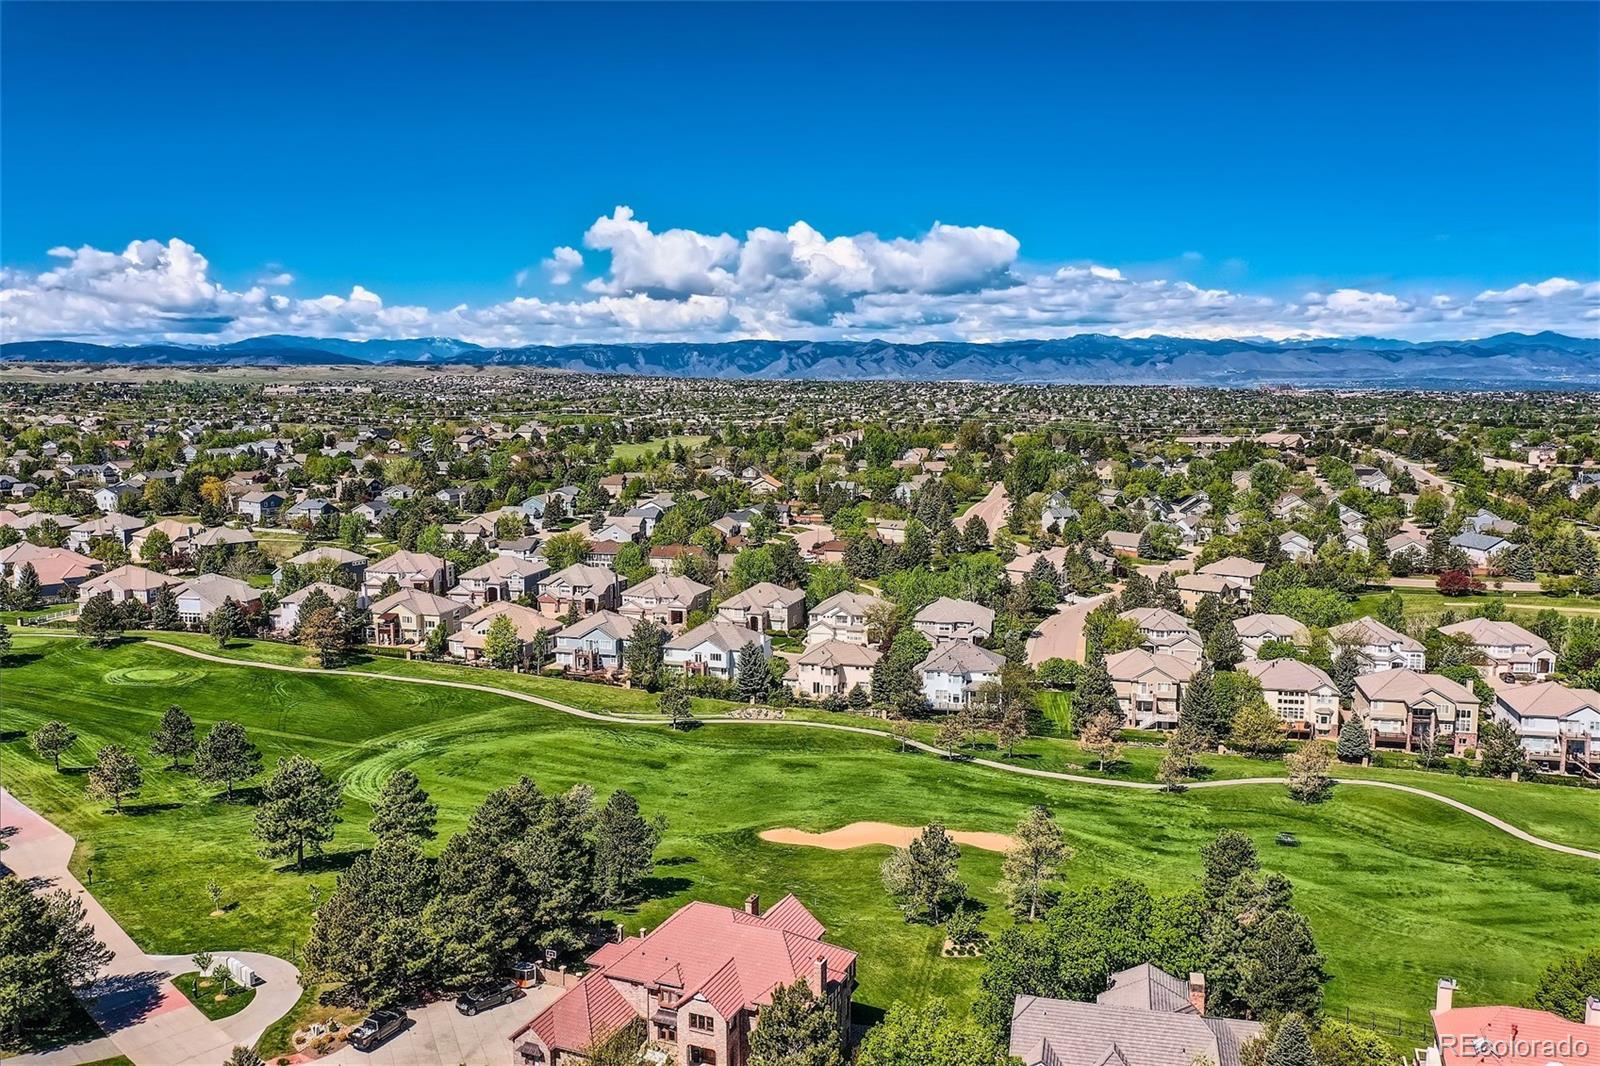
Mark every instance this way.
x=143 y=1014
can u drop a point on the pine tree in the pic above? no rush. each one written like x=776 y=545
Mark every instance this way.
x=1291 y=1044
x=1346 y=668
x=99 y=621
x=1095 y=695
x=643 y=656
x=25 y=595
x=624 y=849
x=1199 y=711
x=174 y=737
x=1223 y=647
x=115 y=776
x=299 y=808
x=501 y=645
x=1354 y=744
x=164 y=614
x=226 y=756
x=754 y=677
x=5 y=640
x=403 y=811
x=243 y=1056
x=225 y=622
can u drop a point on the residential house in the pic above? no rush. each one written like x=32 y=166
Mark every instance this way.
x=469 y=642
x=624 y=529
x=954 y=670
x=1289 y=506
x=1166 y=631
x=596 y=644
x=59 y=571
x=1239 y=574
x=1257 y=629
x=1056 y=513
x=1480 y=548
x=842 y=617
x=328 y=556
x=1408 y=709
x=113 y=524
x=1304 y=696
x=580 y=589
x=1407 y=540
x=1149 y=687
x=665 y=599
x=1122 y=542
x=260 y=506
x=199 y=597
x=223 y=538
x=286 y=615
x=1379 y=647
x=410 y=570
x=112 y=497
x=766 y=608
x=1373 y=480
x=1559 y=726
x=1508 y=1036
x=504 y=577
x=1508 y=647
x=834 y=668
x=1146 y=1017
x=951 y=619
x=128 y=582
x=712 y=649
x=312 y=509
x=178 y=534
x=407 y=617
x=663 y=559
x=374 y=511
x=1297 y=546
x=698 y=984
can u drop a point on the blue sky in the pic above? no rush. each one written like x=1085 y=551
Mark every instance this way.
x=433 y=154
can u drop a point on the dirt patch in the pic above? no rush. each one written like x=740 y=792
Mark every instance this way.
x=865 y=834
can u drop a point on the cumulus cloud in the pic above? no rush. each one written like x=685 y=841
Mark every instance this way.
x=950 y=282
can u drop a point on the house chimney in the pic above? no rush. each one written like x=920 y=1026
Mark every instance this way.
x=819 y=976
x=1591 y=1011
x=752 y=905
x=1446 y=994
x=1197 y=993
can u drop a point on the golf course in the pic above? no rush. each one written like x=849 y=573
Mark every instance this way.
x=1401 y=889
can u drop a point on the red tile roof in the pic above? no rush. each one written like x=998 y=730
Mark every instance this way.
x=1511 y=1036
x=722 y=955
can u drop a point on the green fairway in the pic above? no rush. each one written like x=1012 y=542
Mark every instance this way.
x=1400 y=889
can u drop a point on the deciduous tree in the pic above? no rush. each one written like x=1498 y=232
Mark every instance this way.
x=115 y=776
x=52 y=739
x=1033 y=862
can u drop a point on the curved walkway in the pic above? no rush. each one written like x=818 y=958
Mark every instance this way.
x=134 y=1001
x=1052 y=775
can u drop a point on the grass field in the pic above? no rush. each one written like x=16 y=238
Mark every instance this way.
x=205 y=996
x=1427 y=601
x=629 y=452
x=1442 y=893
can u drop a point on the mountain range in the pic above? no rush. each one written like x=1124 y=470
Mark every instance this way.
x=1505 y=361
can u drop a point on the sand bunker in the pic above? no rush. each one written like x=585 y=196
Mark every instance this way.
x=862 y=834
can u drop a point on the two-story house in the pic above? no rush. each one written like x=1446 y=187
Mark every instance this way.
x=766 y=608
x=469 y=643
x=580 y=589
x=665 y=599
x=1166 y=631
x=954 y=670
x=1304 y=696
x=698 y=982
x=1508 y=647
x=712 y=649
x=1149 y=687
x=504 y=577
x=410 y=570
x=407 y=617
x=843 y=617
x=1378 y=647
x=1559 y=726
x=1409 y=709
x=951 y=619
x=834 y=668
x=594 y=645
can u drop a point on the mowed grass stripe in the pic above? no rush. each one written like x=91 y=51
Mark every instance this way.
x=1401 y=890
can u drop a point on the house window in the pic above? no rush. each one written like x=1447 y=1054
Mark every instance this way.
x=701 y=1023
x=702 y=1056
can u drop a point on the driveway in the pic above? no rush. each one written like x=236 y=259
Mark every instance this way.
x=1061 y=635
x=438 y=1033
x=134 y=1001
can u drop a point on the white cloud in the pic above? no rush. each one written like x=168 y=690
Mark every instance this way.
x=951 y=282
x=562 y=264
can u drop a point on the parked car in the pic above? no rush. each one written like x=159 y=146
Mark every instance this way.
x=485 y=996
x=379 y=1026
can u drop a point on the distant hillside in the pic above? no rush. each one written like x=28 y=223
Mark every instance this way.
x=1511 y=360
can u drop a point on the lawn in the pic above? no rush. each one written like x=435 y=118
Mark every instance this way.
x=1443 y=893
x=1427 y=601
x=629 y=452
x=204 y=996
